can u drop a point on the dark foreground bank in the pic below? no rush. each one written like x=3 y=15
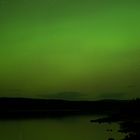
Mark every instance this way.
x=130 y=127
x=129 y=121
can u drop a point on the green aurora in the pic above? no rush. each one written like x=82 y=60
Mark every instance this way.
x=90 y=47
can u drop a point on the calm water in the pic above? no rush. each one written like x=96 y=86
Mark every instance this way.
x=68 y=128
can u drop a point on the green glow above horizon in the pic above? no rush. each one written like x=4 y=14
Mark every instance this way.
x=47 y=47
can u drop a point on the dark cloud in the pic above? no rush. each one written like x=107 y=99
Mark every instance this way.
x=65 y=95
x=112 y=96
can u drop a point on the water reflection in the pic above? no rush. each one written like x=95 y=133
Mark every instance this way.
x=68 y=128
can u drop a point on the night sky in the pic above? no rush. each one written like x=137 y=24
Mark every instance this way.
x=73 y=49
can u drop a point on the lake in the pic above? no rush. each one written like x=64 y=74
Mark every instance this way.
x=66 y=128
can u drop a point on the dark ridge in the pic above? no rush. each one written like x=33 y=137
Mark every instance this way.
x=16 y=108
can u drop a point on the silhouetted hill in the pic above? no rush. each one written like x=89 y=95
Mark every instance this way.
x=27 y=107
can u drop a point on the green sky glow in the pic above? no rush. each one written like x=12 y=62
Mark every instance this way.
x=52 y=46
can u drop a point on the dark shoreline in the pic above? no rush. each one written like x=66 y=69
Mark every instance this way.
x=129 y=121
